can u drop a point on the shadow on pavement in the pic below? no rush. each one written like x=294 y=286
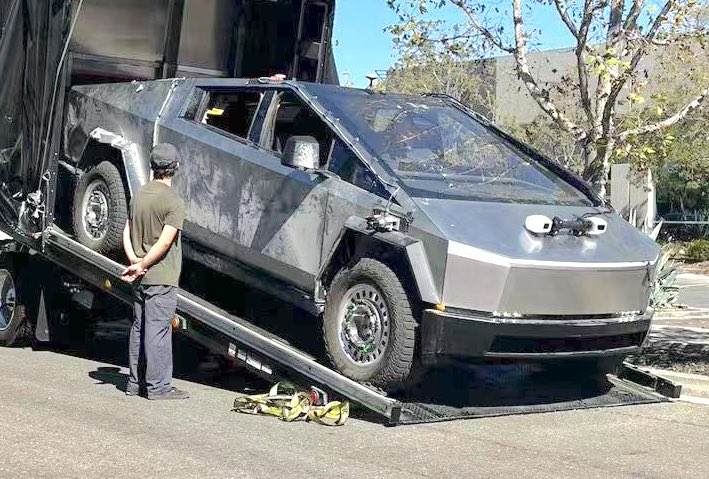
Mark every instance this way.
x=110 y=375
x=506 y=385
x=680 y=335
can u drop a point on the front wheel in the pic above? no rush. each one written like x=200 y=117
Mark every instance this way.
x=368 y=326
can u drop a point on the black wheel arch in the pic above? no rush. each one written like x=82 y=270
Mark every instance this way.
x=95 y=153
x=403 y=254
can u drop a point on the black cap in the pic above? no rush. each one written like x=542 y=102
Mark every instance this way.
x=163 y=156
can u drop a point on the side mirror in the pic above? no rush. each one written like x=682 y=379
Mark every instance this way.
x=302 y=152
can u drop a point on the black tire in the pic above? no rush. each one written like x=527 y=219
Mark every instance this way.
x=389 y=360
x=101 y=186
x=13 y=314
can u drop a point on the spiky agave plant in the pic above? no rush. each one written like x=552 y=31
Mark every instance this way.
x=664 y=291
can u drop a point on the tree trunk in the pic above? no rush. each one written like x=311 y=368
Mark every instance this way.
x=597 y=158
x=605 y=160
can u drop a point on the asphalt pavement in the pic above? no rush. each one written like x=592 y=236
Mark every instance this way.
x=679 y=336
x=694 y=290
x=65 y=416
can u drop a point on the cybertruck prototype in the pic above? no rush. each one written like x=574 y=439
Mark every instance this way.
x=417 y=230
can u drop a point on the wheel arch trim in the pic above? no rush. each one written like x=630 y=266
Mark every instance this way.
x=410 y=248
x=136 y=175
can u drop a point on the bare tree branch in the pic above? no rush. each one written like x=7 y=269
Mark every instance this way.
x=497 y=41
x=603 y=125
x=680 y=37
x=679 y=116
x=564 y=14
x=581 y=67
x=452 y=38
x=632 y=18
x=532 y=86
x=637 y=56
x=615 y=23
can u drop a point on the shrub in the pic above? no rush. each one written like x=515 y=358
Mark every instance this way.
x=697 y=250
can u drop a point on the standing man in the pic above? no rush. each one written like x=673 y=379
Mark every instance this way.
x=151 y=240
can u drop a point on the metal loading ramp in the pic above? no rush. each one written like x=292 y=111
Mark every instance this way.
x=273 y=358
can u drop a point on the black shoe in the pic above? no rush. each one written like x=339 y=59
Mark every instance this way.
x=173 y=393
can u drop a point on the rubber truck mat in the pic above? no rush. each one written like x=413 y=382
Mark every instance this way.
x=446 y=398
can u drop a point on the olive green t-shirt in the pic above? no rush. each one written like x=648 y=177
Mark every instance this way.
x=154 y=206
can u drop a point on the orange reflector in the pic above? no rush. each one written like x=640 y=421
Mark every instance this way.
x=441 y=307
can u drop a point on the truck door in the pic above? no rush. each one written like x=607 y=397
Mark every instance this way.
x=308 y=210
x=243 y=204
x=292 y=203
x=220 y=166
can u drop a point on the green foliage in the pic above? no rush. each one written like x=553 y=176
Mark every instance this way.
x=432 y=71
x=614 y=89
x=678 y=156
x=697 y=250
x=664 y=291
x=696 y=226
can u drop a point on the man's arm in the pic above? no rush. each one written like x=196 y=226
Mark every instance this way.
x=167 y=237
x=128 y=245
x=158 y=250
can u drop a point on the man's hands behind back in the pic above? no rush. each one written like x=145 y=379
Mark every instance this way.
x=133 y=272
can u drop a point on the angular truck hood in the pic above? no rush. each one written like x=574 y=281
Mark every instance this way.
x=498 y=228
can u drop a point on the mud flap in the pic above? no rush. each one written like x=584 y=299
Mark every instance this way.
x=41 y=331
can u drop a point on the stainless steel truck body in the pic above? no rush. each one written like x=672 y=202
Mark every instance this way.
x=418 y=230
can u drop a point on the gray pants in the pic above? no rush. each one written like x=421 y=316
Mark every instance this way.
x=150 y=343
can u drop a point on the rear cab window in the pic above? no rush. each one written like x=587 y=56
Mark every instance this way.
x=228 y=111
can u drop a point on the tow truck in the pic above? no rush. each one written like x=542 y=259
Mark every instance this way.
x=38 y=253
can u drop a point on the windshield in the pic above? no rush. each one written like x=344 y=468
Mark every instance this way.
x=439 y=151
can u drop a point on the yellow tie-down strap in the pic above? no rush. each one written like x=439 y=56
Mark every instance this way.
x=288 y=404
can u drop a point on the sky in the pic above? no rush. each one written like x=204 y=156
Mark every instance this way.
x=362 y=46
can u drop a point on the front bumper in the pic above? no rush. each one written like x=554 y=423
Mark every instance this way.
x=470 y=335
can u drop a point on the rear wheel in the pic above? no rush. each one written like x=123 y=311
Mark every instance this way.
x=13 y=321
x=368 y=326
x=100 y=208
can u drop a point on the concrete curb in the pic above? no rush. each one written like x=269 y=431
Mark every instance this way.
x=694 y=386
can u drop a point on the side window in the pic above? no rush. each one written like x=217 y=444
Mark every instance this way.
x=295 y=118
x=230 y=111
x=345 y=164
